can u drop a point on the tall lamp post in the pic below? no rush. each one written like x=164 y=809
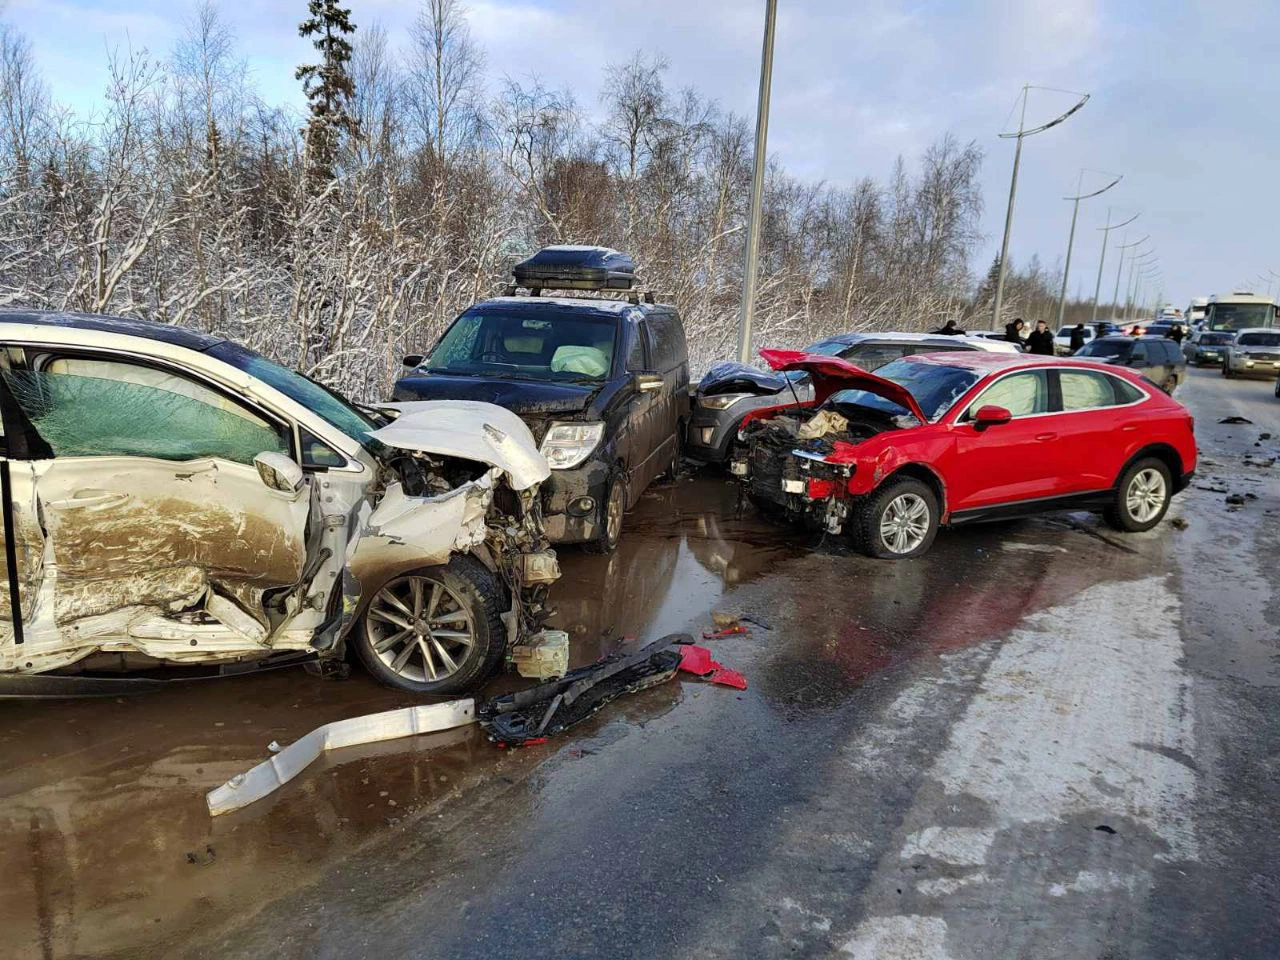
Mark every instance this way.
x=751 y=265
x=1106 y=232
x=1141 y=264
x=1071 y=237
x=1115 y=294
x=1021 y=133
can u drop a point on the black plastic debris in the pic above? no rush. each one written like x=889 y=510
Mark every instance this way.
x=533 y=715
x=1103 y=828
x=1264 y=436
x=1235 y=420
x=1235 y=499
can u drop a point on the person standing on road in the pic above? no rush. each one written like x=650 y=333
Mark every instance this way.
x=1077 y=337
x=1041 y=340
x=949 y=329
x=1176 y=333
x=1013 y=331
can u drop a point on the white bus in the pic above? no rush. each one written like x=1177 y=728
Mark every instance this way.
x=1239 y=311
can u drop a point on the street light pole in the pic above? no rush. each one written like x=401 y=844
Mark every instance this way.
x=1021 y=133
x=1106 y=232
x=1115 y=295
x=751 y=265
x=1071 y=237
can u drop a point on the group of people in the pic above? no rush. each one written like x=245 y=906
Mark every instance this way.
x=1040 y=340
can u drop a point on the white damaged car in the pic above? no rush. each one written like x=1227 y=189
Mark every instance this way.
x=173 y=500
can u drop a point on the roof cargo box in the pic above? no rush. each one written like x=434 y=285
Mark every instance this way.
x=576 y=268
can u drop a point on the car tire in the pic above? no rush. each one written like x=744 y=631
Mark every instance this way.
x=909 y=506
x=1142 y=496
x=612 y=509
x=1226 y=368
x=471 y=599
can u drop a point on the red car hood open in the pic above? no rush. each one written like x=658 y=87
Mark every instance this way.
x=831 y=374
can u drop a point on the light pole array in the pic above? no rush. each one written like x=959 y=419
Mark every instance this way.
x=1071 y=237
x=1020 y=134
x=1115 y=294
x=1106 y=232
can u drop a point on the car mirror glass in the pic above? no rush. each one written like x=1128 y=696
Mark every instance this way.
x=412 y=360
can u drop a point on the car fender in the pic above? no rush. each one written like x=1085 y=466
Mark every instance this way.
x=884 y=459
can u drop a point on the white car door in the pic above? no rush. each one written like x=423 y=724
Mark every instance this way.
x=140 y=499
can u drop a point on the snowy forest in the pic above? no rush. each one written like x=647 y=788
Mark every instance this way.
x=340 y=238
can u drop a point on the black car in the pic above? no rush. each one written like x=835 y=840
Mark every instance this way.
x=1158 y=358
x=603 y=384
x=1207 y=346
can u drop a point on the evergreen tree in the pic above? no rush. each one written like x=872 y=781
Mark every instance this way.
x=327 y=85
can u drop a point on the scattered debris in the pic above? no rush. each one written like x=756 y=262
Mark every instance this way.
x=244 y=788
x=1264 y=436
x=727 y=632
x=274 y=747
x=723 y=620
x=1236 y=499
x=1251 y=462
x=1235 y=420
x=544 y=658
x=758 y=621
x=1103 y=828
x=532 y=715
x=1178 y=523
x=697 y=660
x=1205 y=486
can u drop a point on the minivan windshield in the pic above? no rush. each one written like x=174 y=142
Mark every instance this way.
x=1107 y=348
x=935 y=386
x=328 y=404
x=520 y=345
x=1238 y=316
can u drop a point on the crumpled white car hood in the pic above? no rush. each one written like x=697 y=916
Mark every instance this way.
x=470 y=429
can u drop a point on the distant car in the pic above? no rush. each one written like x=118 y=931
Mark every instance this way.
x=1159 y=359
x=998 y=337
x=603 y=384
x=1253 y=353
x=1207 y=347
x=731 y=390
x=1160 y=328
x=943 y=439
x=1062 y=339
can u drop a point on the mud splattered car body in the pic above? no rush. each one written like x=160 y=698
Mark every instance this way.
x=944 y=439
x=174 y=499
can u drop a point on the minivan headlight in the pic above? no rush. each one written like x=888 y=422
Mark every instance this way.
x=567 y=444
x=722 y=401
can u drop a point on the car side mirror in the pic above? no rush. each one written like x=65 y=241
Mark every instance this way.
x=647 y=382
x=991 y=416
x=412 y=360
x=278 y=472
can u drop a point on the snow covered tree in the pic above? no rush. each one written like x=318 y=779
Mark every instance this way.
x=328 y=86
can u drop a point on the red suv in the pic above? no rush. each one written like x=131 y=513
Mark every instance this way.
x=949 y=438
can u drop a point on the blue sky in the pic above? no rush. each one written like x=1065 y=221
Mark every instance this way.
x=1183 y=95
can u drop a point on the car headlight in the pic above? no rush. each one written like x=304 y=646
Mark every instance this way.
x=567 y=444
x=722 y=401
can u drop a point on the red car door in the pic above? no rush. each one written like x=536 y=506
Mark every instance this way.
x=1099 y=428
x=1009 y=462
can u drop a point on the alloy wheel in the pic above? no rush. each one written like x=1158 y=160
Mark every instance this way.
x=420 y=628
x=614 y=509
x=1146 y=495
x=904 y=523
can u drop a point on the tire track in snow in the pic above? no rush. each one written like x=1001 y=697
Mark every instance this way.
x=1080 y=720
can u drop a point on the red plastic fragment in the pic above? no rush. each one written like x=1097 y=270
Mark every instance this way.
x=697 y=660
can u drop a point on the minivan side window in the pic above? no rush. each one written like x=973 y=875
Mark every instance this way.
x=637 y=361
x=667 y=340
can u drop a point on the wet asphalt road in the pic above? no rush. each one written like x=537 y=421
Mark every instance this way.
x=1042 y=740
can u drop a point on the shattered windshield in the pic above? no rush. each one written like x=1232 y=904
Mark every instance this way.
x=525 y=346
x=935 y=387
x=320 y=400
